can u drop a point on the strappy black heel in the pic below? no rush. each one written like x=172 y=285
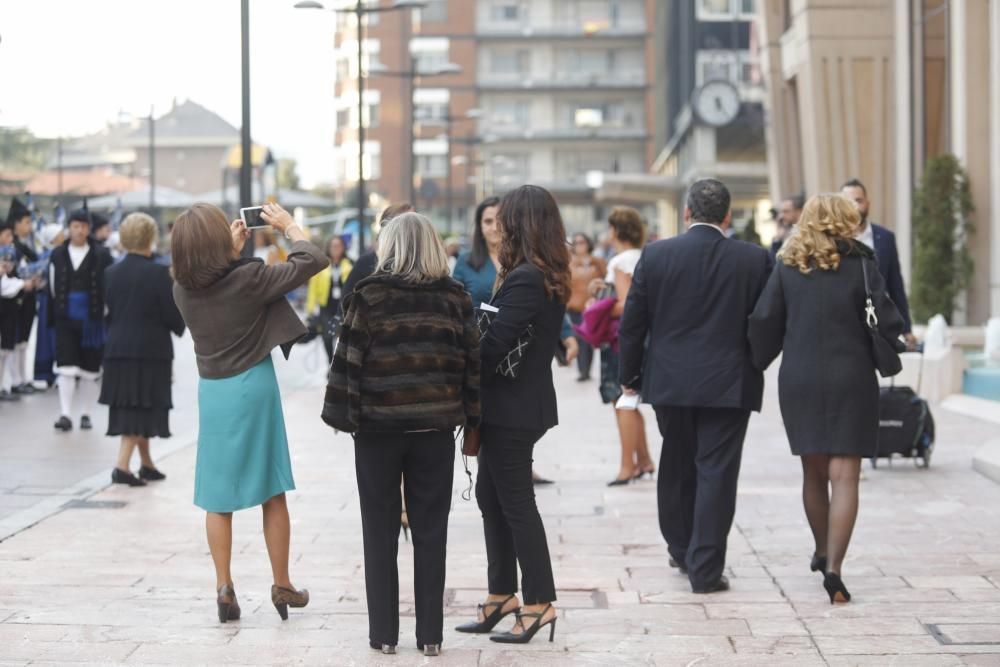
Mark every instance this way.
x=527 y=632
x=489 y=620
x=835 y=588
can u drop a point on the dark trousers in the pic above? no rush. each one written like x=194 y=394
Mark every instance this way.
x=696 y=489
x=585 y=358
x=513 y=527
x=427 y=461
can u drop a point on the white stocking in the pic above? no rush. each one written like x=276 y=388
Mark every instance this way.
x=17 y=368
x=90 y=389
x=4 y=384
x=67 y=389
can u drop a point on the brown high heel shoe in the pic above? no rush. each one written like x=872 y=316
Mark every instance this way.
x=229 y=608
x=283 y=598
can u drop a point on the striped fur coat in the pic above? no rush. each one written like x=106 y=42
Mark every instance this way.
x=407 y=359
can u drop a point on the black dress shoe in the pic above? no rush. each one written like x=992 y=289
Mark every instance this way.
x=8 y=396
x=721 y=584
x=151 y=474
x=541 y=481
x=23 y=389
x=64 y=424
x=85 y=424
x=119 y=476
x=680 y=566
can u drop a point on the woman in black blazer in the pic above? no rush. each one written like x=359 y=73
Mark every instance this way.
x=534 y=286
x=813 y=308
x=139 y=353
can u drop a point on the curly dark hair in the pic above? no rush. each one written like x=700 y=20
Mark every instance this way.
x=628 y=225
x=709 y=201
x=532 y=231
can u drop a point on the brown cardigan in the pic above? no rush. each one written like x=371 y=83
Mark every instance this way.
x=237 y=321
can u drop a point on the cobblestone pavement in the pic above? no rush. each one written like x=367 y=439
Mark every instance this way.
x=133 y=584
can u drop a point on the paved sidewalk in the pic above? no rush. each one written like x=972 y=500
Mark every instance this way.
x=134 y=584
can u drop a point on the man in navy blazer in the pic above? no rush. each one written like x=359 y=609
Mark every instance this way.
x=883 y=242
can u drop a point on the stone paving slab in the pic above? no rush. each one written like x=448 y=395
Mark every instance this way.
x=134 y=585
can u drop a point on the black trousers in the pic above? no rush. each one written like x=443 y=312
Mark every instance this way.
x=511 y=522
x=696 y=489
x=427 y=461
x=585 y=358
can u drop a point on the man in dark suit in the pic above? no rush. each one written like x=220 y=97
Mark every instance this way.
x=883 y=242
x=368 y=261
x=692 y=295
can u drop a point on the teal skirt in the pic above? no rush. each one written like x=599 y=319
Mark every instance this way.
x=242 y=446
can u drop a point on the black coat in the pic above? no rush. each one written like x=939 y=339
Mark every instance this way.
x=141 y=310
x=529 y=401
x=827 y=385
x=691 y=295
x=364 y=267
x=887 y=256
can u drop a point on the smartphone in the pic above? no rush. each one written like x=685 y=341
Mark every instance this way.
x=627 y=402
x=251 y=217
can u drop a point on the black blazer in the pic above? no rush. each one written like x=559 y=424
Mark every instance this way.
x=529 y=401
x=692 y=295
x=887 y=256
x=141 y=310
x=364 y=267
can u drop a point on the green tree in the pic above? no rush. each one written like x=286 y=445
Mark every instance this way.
x=749 y=233
x=942 y=264
x=21 y=150
x=288 y=176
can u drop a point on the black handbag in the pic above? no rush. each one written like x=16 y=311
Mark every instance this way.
x=510 y=365
x=885 y=353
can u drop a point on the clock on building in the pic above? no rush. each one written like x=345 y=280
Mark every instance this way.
x=717 y=103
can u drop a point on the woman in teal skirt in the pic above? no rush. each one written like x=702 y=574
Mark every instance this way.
x=237 y=313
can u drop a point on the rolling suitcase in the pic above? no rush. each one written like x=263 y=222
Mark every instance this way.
x=906 y=426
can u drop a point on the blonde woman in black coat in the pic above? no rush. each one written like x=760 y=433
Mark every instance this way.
x=813 y=308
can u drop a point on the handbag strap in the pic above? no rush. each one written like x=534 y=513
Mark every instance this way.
x=871 y=317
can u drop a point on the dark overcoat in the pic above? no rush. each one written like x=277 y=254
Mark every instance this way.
x=827 y=385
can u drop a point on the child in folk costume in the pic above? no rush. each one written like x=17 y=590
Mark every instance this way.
x=12 y=292
x=76 y=287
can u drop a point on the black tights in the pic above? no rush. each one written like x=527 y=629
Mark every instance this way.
x=831 y=515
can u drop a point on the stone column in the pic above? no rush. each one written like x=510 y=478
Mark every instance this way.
x=994 y=134
x=903 y=177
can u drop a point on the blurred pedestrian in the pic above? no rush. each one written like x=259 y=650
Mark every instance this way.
x=627 y=232
x=407 y=318
x=326 y=290
x=452 y=247
x=237 y=313
x=585 y=268
x=883 y=242
x=534 y=285
x=51 y=236
x=266 y=247
x=691 y=296
x=138 y=355
x=26 y=254
x=13 y=289
x=476 y=269
x=365 y=266
x=813 y=309
x=788 y=215
x=76 y=285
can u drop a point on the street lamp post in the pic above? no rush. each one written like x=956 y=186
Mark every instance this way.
x=359 y=10
x=471 y=114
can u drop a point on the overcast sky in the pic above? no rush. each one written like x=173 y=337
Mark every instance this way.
x=68 y=66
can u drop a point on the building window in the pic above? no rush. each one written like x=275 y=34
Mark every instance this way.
x=343 y=118
x=429 y=53
x=507 y=12
x=509 y=62
x=436 y=11
x=432 y=166
x=371 y=115
x=725 y=10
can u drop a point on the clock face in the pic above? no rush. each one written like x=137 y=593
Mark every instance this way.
x=717 y=103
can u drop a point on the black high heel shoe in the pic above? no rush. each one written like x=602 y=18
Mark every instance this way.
x=528 y=632
x=643 y=472
x=229 y=608
x=622 y=482
x=835 y=588
x=491 y=619
x=818 y=564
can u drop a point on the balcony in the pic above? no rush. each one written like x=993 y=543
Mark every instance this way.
x=524 y=31
x=556 y=80
x=604 y=133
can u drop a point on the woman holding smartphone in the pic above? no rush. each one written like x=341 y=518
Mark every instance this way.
x=237 y=313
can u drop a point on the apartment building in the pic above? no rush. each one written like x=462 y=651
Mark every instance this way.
x=500 y=93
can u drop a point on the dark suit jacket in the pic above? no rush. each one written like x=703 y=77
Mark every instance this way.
x=141 y=310
x=364 y=267
x=692 y=295
x=887 y=256
x=529 y=401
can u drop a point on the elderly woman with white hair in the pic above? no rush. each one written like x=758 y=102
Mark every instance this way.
x=405 y=374
x=139 y=352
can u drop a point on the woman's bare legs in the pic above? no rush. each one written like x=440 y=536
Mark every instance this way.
x=628 y=435
x=125 y=452
x=643 y=460
x=145 y=459
x=816 y=497
x=844 y=474
x=277 y=535
x=220 y=542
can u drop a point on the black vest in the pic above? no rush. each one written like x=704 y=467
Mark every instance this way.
x=88 y=278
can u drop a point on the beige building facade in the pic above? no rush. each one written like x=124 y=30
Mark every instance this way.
x=871 y=90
